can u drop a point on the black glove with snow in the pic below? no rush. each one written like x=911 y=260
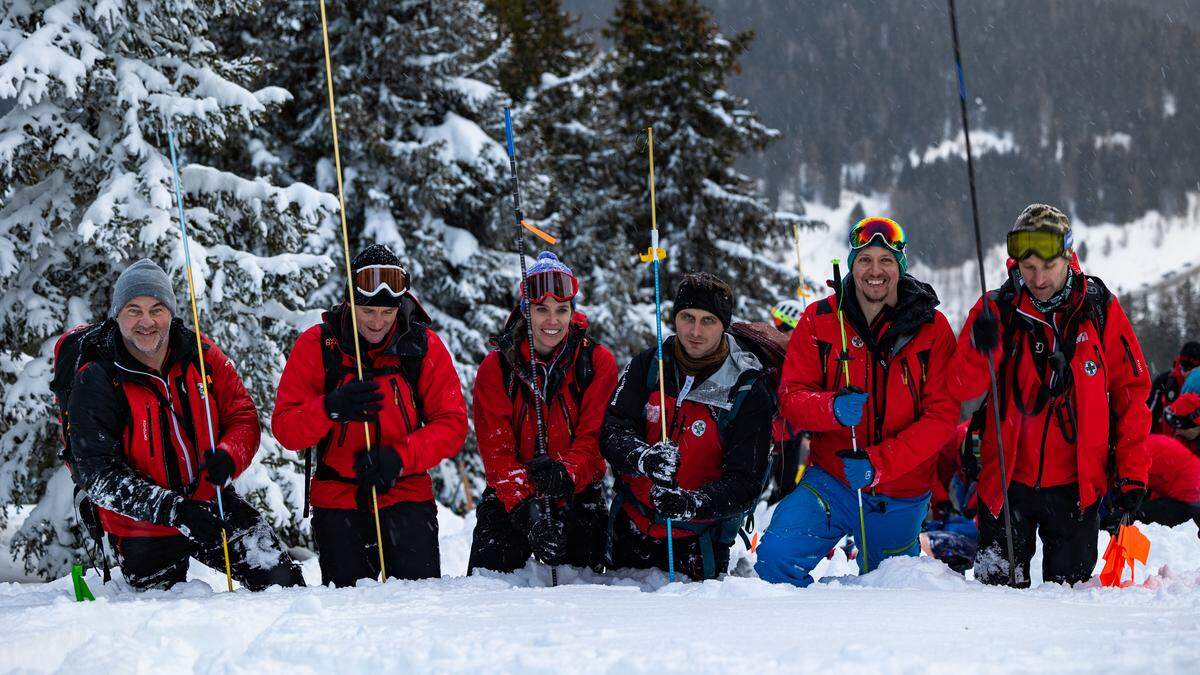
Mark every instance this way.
x=675 y=503
x=219 y=467
x=198 y=521
x=355 y=401
x=547 y=535
x=550 y=477
x=1129 y=503
x=985 y=332
x=659 y=462
x=377 y=468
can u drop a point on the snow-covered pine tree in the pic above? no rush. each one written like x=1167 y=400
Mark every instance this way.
x=672 y=64
x=418 y=121
x=563 y=88
x=85 y=185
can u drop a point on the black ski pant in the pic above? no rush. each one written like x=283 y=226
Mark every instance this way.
x=498 y=545
x=1068 y=535
x=258 y=559
x=349 y=549
x=634 y=549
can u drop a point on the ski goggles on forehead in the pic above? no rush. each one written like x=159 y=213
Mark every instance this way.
x=886 y=230
x=1045 y=244
x=558 y=285
x=372 y=279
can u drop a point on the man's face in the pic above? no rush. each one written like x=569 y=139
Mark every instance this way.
x=876 y=275
x=550 y=319
x=1044 y=278
x=145 y=323
x=700 y=332
x=374 y=323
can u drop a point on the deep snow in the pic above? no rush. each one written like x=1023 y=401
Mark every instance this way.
x=912 y=615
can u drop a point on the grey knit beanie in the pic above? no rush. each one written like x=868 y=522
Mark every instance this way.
x=143 y=277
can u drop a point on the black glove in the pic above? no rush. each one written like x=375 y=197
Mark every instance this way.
x=985 y=332
x=547 y=535
x=1129 y=503
x=377 y=468
x=219 y=466
x=659 y=462
x=550 y=477
x=197 y=521
x=355 y=401
x=674 y=503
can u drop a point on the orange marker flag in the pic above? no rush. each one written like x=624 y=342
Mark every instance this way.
x=1128 y=546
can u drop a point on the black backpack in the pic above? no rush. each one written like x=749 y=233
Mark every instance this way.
x=72 y=351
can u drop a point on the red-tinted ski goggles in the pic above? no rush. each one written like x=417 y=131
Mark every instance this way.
x=372 y=279
x=1182 y=414
x=886 y=230
x=1045 y=244
x=553 y=284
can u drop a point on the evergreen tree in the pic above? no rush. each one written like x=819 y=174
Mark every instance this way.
x=86 y=184
x=671 y=67
x=564 y=117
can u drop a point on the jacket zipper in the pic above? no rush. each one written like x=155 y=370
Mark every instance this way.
x=150 y=433
x=911 y=381
x=396 y=399
x=562 y=403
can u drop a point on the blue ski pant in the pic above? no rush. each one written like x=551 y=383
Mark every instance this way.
x=819 y=512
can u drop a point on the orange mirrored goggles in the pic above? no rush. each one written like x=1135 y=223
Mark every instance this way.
x=372 y=279
x=551 y=284
x=886 y=230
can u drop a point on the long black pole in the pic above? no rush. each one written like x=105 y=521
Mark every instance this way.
x=543 y=501
x=962 y=105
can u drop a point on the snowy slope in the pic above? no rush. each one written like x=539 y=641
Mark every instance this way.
x=912 y=615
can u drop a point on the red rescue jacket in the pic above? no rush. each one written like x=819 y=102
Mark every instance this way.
x=899 y=361
x=159 y=419
x=423 y=426
x=1058 y=429
x=722 y=426
x=1174 y=470
x=572 y=414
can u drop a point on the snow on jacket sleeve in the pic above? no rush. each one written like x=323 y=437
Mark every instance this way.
x=923 y=438
x=1128 y=387
x=804 y=402
x=492 y=410
x=622 y=438
x=582 y=460
x=97 y=433
x=237 y=418
x=445 y=411
x=299 y=420
x=747 y=448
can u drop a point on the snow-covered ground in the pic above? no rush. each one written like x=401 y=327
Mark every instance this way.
x=912 y=615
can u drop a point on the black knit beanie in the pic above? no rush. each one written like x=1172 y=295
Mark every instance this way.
x=701 y=290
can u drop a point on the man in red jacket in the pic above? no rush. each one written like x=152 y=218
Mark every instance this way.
x=409 y=400
x=1167 y=385
x=140 y=444
x=709 y=470
x=899 y=346
x=1072 y=386
x=577 y=375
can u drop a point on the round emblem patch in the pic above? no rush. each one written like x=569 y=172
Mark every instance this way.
x=856 y=341
x=1039 y=347
x=698 y=428
x=1089 y=367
